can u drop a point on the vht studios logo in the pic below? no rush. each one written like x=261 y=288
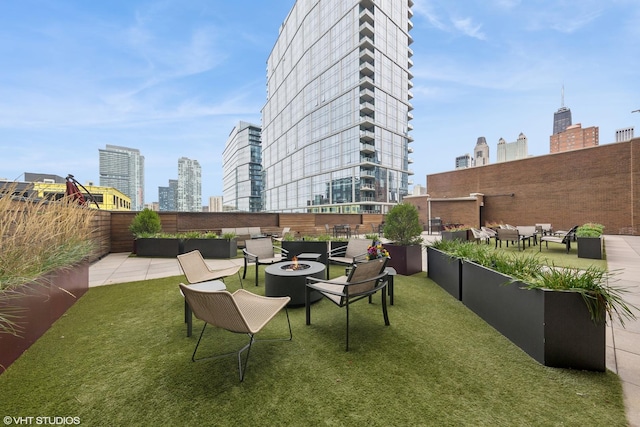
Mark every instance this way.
x=42 y=421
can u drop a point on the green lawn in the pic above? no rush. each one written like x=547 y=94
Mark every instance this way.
x=120 y=356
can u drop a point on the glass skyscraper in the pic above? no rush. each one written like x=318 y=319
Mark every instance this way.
x=336 y=124
x=189 y=197
x=123 y=169
x=242 y=170
x=561 y=120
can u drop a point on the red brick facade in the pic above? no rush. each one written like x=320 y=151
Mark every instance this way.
x=599 y=184
x=574 y=138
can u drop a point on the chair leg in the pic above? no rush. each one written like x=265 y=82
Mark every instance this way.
x=240 y=278
x=257 y=265
x=347 y=307
x=241 y=367
x=247 y=347
x=244 y=273
x=193 y=356
x=188 y=317
x=384 y=307
x=307 y=304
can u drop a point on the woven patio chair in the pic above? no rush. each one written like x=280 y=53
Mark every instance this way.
x=240 y=312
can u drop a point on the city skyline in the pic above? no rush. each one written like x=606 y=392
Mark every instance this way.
x=172 y=79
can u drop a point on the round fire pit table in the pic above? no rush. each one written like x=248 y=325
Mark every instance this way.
x=282 y=280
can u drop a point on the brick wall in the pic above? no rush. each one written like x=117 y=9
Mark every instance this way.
x=600 y=184
x=178 y=222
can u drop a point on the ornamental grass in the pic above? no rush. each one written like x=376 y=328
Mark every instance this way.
x=37 y=236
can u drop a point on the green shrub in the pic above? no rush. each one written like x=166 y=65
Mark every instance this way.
x=402 y=225
x=145 y=222
x=590 y=229
x=190 y=235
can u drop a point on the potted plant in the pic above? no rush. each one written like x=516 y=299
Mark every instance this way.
x=402 y=227
x=149 y=241
x=210 y=244
x=460 y=232
x=556 y=315
x=44 y=266
x=444 y=266
x=162 y=245
x=590 y=240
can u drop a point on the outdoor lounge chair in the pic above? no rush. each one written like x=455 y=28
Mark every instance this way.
x=564 y=238
x=364 y=280
x=280 y=238
x=241 y=312
x=261 y=252
x=489 y=231
x=196 y=269
x=200 y=276
x=353 y=252
x=480 y=235
x=509 y=235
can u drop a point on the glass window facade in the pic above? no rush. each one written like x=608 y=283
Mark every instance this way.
x=335 y=135
x=242 y=171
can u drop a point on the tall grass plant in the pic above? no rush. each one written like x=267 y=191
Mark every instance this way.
x=38 y=236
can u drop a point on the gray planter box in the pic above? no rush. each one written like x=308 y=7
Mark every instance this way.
x=590 y=247
x=553 y=327
x=406 y=260
x=455 y=235
x=297 y=247
x=158 y=247
x=446 y=271
x=212 y=248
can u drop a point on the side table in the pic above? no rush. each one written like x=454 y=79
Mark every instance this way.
x=213 y=285
x=391 y=272
x=308 y=256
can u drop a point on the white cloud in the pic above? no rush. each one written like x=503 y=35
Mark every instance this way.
x=469 y=28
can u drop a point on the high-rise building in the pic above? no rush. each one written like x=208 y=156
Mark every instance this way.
x=623 y=135
x=481 y=152
x=168 y=196
x=336 y=124
x=464 y=161
x=573 y=138
x=562 y=117
x=242 y=168
x=123 y=168
x=508 y=151
x=189 y=186
x=215 y=204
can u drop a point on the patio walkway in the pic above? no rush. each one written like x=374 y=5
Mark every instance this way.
x=623 y=344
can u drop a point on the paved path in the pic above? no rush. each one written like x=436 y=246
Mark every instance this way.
x=623 y=344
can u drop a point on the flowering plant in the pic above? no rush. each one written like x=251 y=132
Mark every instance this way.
x=377 y=251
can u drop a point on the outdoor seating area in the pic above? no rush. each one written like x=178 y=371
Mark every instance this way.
x=455 y=350
x=437 y=327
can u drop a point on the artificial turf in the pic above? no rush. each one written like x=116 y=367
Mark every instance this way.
x=120 y=356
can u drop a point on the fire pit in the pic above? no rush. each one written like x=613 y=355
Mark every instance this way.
x=288 y=278
x=294 y=265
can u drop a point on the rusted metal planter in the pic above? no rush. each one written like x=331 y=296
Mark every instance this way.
x=42 y=303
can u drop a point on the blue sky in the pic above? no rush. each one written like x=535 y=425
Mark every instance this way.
x=172 y=78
